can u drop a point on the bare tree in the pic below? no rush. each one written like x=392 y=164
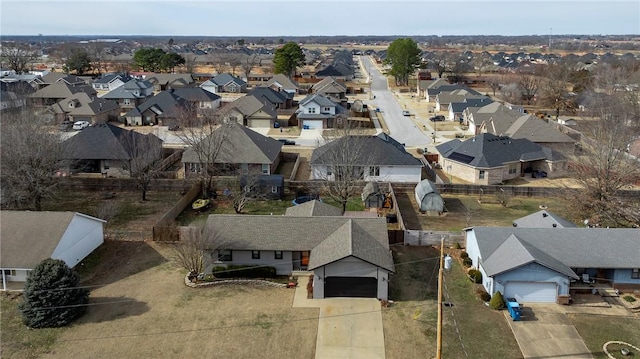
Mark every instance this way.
x=190 y=63
x=204 y=136
x=18 y=57
x=31 y=156
x=244 y=189
x=555 y=89
x=219 y=62
x=482 y=63
x=529 y=84
x=248 y=63
x=97 y=54
x=234 y=60
x=145 y=153
x=346 y=157
x=195 y=248
x=603 y=168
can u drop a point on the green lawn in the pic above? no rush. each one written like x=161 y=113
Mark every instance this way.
x=597 y=330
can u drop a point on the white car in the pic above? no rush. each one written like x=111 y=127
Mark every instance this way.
x=79 y=125
x=406 y=113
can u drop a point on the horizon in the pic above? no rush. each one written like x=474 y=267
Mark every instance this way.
x=308 y=18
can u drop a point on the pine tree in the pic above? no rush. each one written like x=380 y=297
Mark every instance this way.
x=51 y=295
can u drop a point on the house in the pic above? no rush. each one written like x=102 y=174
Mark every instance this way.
x=543 y=219
x=444 y=98
x=81 y=107
x=57 y=92
x=349 y=257
x=278 y=99
x=332 y=89
x=540 y=264
x=377 y=158
x=110 y=82
x=428 y=197
x=29 y=237
x=162 y=82
x=318 y=112
x=264 y=186
x=224 y=83
x=111 y=151
x=10 y=100
x=242 y=151
x=500 y=120
x=280 y=82
x=131 y=94
x=249 y=111
x=313 y=208
x=198 y=97
x=488 y=159
x=337 y=71
x=456 y=109
x=168 y=107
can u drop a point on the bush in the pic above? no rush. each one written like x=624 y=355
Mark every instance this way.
x=464 y=254
x=52 y=297
x=244 y=271
x=629 y=298
x=497 y=302
x=467 y=262
x=475 y=275
x=457 y=246
x=482 y=294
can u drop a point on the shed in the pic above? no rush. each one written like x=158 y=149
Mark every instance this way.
x=428 y=198
x=372 y=196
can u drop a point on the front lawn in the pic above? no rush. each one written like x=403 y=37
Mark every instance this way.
x=597 y=330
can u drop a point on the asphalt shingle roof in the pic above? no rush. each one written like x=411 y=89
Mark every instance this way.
x=313 y=208
x=105 y=142
x=542 y=219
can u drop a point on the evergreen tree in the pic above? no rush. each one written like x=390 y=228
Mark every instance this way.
x=287 y=58
x=51 y=295
x=404 y=57
x=79 y=61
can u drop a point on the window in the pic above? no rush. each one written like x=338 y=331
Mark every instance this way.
x=105 y=164
x=374 y=171
x=512 y=168
x=11 y=272
x=278 y=254
x=635 y=273
x=274 y=189
x=327 y=109
x=195 y=167
x=481 y=176
x=311 y=110
x=225 y=255
x=329 y=171
x=265 y=168
x=127 y=101
x=244 y=168
x=255 y=254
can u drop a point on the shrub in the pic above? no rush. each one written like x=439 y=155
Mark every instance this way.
x=457 y=246
x=243 y=271
x=467 y=262
x=52 y=296
x=475 y=275
x=464 y=254
x=497 y=302
x=629 y=298
x=482 y=294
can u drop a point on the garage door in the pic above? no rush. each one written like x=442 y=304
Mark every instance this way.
x=531 y=292
x=313 y=124
x=362 y=287
x=260 y=123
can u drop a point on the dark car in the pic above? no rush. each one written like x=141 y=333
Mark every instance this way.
x=287 y=142
x=437 y=118
x=174 y=127
x=66 y=126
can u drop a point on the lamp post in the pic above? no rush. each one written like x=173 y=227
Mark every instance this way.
x=450 y=175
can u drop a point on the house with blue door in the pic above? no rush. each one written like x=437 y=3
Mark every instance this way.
x=540 y=264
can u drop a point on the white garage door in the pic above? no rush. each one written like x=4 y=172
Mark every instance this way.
x=260 y=123
x=313 y=124
x=531 y=292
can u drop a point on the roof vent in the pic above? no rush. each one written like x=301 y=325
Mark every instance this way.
x=544 y=214
x=554 y=225
x=515 y=224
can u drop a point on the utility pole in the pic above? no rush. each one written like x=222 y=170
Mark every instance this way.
x=440 y=285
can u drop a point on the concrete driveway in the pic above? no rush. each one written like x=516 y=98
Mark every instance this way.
x=348 y=328
x=546 y=332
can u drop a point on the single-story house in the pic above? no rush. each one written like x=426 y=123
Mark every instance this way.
x=372 y=158
x=313 y=208
x=249 y=111
x=224 y=83
x=489 y=159
x=281 y=82
x=540 y=264
x=543 y=219
x=29 y=237
x=428 y=197
x=349 y=257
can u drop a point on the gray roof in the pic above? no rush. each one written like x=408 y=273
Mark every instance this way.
x=28 y=237
x=284 y=82
x=240 y=145
x=321 y=100
x=313 y=208
x=329 y=85
x=573 y=247
x=107 y=78
x=84 y=105
x=127 y=90
x=164 y=104
x=224 y=79
x=248 y=105
x=380 y=150
x=425 y=187
x=364 y=238
x=271 y=95
x=172 y=79
x=195 y=94
x=105 y=141
x=62 y=90
x=470 y=102
x=488 y=151
x=542 y=219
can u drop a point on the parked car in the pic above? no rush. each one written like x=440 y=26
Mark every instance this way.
x=437 y=118
x=174 y=127
x=406 y=113
x=79 y=125
x=65 y=126
x=287 y=142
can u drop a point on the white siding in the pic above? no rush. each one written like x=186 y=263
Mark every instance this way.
x=350 y=267
x=313 y=124
x=82 y=237
x=283 y=266
x=411 y=174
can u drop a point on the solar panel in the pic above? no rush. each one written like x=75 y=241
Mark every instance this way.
x=461 y=157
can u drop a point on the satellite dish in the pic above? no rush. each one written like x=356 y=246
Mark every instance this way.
x=357 y=106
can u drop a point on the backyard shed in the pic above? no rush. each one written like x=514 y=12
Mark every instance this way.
x=428 y=198
x=372 y=197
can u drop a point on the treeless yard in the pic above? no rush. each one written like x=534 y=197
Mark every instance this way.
x=140 y=308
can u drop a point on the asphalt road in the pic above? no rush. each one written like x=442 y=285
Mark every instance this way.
x=401 y=128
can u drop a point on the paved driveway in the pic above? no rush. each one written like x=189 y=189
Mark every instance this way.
x=546 y=332
x=348 y=328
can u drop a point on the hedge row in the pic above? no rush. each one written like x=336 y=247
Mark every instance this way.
x=244 y=271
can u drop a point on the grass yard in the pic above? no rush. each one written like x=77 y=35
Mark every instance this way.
x=410 y=323
x=140 y=308
x=465 y=211
x=597 y=330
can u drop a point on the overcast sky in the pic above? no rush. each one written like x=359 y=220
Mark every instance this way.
x=307 y=17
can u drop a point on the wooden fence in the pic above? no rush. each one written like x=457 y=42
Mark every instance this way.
x=432 y=238
x=165 y=230
x=395 y=208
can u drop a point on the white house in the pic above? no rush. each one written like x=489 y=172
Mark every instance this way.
x=29 y=237
x=318 y=112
